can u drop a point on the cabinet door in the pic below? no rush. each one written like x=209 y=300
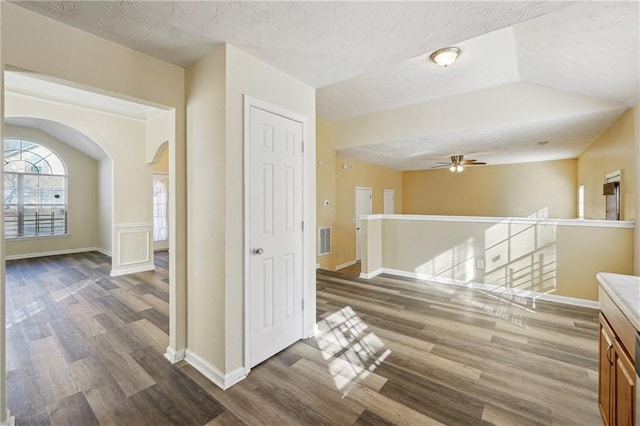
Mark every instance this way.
x=605 y=378
x=625 y=388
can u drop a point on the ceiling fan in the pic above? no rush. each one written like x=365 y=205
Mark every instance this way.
x=458 y=163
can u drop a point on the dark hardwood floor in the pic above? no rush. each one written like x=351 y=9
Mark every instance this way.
x=84 y=348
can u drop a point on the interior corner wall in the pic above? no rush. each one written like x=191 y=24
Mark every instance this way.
x=206 y=214
x=42 y=45
x=248 y=76
x=82 y=198
x=326 y=186
x=349 y=175
x=105 y=206
x=613 y=150
x=216 y=87
x=546 y=188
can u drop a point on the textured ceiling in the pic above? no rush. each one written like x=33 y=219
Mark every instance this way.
x=589 y=48
x=566 y=137
x=369 y=57
x=317 y=42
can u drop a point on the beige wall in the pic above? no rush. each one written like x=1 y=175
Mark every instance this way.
x=636 y=245
x=162 y=166
x=488 y=108
x=547 y=257
x=123 y=140
x=35 y=43
x=362 y=175
x=514 y=190
x=105 y=205
x=613 y=150
x=82 y=187
x=326 y=185
x=248 y=76
x=217 y=85
x=338 y=185
x=205 y=195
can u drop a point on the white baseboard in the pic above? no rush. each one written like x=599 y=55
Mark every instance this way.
x=50 y=253
x=368 y=276
x=223 y=381
x=312 y=331
x=11 y=421
x=174 y=355
x=103 y=251
x=132 y=270
x=345 y=265
x=487 y=287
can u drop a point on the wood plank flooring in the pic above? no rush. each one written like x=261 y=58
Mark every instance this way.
x=84 y=348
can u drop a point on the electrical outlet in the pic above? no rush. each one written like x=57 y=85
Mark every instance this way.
x=143 y=251
x=479 y=263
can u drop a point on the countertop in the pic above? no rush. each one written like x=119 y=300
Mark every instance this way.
x=624 y=291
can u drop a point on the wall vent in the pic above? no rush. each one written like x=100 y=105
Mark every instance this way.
x=324 y=240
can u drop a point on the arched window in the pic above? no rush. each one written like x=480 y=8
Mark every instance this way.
x=35 y=190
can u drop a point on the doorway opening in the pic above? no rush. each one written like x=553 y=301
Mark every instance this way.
x=364 y=206
x=611 y=191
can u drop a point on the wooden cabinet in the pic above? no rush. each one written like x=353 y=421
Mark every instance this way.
x=605 y=370
x=624 y=396
x=617 y=379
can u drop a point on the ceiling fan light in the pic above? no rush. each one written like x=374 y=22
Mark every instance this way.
x=459 y=168
x=445 y=56
x=452 y=168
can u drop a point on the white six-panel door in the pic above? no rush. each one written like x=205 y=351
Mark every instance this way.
x=276 y=236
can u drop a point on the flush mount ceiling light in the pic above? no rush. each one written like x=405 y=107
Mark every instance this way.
x=445 y=56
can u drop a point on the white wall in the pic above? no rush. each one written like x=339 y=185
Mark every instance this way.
x=82 y=189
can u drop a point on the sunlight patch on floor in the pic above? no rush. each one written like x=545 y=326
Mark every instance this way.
x=16 y=316
x=350 y=349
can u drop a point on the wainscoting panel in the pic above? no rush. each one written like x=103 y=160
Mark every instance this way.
x=133 y=248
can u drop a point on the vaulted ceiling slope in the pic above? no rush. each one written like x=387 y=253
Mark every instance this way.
x=370 y=59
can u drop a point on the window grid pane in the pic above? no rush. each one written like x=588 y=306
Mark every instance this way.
x=34 y=191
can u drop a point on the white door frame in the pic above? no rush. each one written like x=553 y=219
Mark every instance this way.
x=355 y=207
x=250 y=102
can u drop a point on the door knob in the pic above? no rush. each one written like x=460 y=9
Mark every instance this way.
x=258 y=251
